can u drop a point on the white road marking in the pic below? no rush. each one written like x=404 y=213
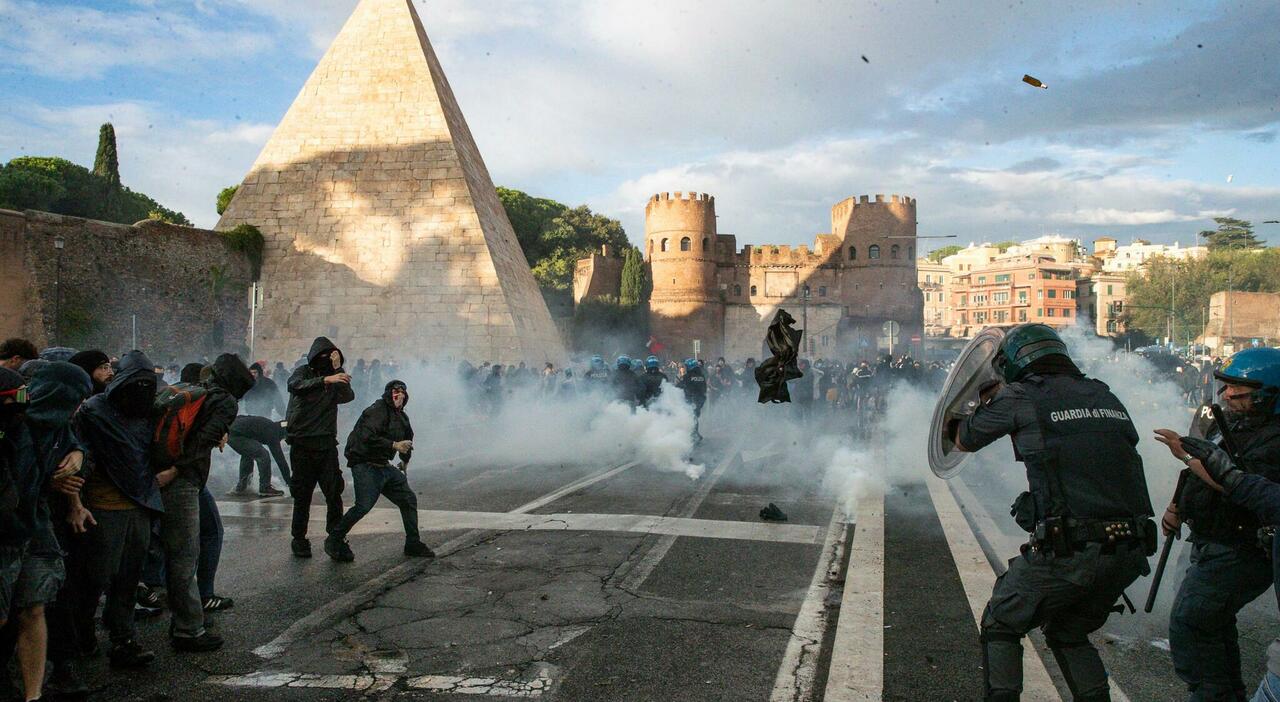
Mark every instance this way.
x=643 y=568
x=796 y=676
x=1004 y=544
x=978 y=577
x=455 y=684
x=355 y=683
x=341 y=606
x=857 y=654
x=386 y=520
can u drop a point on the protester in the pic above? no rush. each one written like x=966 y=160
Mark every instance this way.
x=264 y=397
x=98 y=365
x=315 y=391
x=257 y=440
x=14 y=352
x=382 y=432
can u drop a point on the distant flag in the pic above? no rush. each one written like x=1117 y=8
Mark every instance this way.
x=1034 y=82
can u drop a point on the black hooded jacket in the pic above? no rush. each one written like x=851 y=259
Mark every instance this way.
x=263 y=398
x=229 y=380
x=313 y=404
x=379 y=426
x=117 y=427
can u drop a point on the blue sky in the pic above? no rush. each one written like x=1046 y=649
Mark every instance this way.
x=767 y=105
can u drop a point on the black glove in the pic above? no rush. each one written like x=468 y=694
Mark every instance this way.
x=1217 y=463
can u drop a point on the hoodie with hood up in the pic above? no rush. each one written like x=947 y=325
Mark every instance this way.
x=379 y=426
x=117 y=426
x=229 y=380
x=41 y=442
x=313 y=404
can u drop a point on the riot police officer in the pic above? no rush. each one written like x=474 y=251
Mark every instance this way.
x=1254 y=377
x=1229 y=569
x=651 y=380
x=1087 y=511
x=694 y=385
x=627 y=388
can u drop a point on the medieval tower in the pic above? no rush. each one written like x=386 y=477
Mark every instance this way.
x=843 y=290
x=383 y=229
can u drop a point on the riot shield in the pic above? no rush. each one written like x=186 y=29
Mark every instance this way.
x=959 y=398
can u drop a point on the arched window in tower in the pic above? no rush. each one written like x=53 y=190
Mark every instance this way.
x=705 y=243
x=873 y=251
x=753 y=291
x=664 y=245
x=894 y=251
x=686 y=244
x=737 y=291
x=853 y=253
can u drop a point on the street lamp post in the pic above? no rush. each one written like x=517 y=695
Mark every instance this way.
x=804 y=318
x=58 y=243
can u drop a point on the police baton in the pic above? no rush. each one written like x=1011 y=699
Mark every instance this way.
x=1158 y=575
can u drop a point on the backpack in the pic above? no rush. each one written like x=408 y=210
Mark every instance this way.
x=176 y=407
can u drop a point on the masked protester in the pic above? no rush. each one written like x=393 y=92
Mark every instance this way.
x=41 y=449
x=1087 y=511
x=180 y=489
x=1229 y=569
x=315 y=391
x=382 y=432
x=121 y=497
x=264 y=397
x=257 y=440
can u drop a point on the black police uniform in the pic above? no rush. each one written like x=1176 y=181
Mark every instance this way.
x=1088 y=513
x=651 y=385
x=1228 y=570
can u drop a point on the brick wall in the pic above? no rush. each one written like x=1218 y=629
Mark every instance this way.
x=188 y=290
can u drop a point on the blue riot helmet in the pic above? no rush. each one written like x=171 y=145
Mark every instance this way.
x=624 y=363
x=652 y=362
x=690 y=363
x=1258 y=369
x=597 y=362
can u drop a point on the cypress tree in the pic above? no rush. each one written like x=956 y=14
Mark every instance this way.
x=107 y=162
x=633 y=279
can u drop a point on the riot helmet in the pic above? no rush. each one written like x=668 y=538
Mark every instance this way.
x=1259 y=369
x=652 y=362
x=624 y=363
x=1024 y=344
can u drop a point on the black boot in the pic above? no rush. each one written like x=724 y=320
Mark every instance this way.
x=65 y=682
x=301 y=548
x=130 y=654
x=196 y=644
x=418 y=549
x=338 y=550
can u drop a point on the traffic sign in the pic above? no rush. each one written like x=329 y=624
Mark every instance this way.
x=891 y=328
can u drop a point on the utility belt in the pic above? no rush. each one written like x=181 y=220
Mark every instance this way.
x=1063 y=536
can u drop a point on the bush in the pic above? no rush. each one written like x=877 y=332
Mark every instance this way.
x=25 y=184
x=224 y=197
x=248 y=240
x=28 y=190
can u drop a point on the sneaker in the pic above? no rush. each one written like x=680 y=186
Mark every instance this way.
x=338 y=549
x=418 y=549
x=65 y=681
x=301 y=548
x=140 y=612
x=270 y=492
x=150 y=597
x=130 y=654
x=217 y=604
x=196 y=644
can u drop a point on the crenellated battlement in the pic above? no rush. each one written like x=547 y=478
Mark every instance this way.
x=844 y=208
x=680 y=199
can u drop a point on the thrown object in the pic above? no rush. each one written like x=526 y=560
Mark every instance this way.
x=1034 y=82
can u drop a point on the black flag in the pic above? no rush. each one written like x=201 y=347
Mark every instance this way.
x=773 y=374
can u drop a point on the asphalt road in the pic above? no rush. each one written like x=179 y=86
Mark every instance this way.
x=621 y=582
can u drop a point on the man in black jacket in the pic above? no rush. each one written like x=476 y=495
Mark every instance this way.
x=264 y=397
x=315 y=391
x=382 y=432
x=180 y=487
x=257 y=440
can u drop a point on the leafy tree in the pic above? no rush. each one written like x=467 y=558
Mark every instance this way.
x=530 y=217
x=28 y=190
x=79 y=192
x=938 y=254
x=1181 y=289
x=107 y=163
x=1231 y=234
x=634 y=284
x=224 y=197
x=554 y=236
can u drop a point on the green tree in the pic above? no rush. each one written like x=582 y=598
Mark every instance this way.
x=554 y=236
x=634 y=284
x=79 y=192
x=938 y=254
x=1180 y=290
x=1231 y=234
x=530 y=217
x=224 y=197
x=28 y=190
x=106 y=164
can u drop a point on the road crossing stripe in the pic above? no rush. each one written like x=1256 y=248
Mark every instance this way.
x=978 y=578
x=857 y=654
x=1002 y=543
x=385 y=520
x=337 y=608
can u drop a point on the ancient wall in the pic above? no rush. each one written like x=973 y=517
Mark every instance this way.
x=745 y=327
x=187 y=289
x=383 y=228
x=596 y=276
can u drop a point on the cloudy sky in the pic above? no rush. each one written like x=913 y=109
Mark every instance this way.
x=1157 y=117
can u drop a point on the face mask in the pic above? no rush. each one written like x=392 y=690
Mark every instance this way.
x=135 y=399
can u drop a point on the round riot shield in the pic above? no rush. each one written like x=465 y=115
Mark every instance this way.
x=959 y=398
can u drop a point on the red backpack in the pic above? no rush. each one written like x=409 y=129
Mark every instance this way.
x=177 y=407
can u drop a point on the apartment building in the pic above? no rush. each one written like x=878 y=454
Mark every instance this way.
x=1012 y=290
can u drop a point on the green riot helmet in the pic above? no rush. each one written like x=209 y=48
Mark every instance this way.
x=1022 y=345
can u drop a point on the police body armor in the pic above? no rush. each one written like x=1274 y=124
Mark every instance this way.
x=1088 y=485
x=1209 y=514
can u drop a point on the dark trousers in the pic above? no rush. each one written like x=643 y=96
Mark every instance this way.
x=253 y=451
x=311 y=468
x=1068 y=597
x=1203 y=640
x=118 y=547
x=371 y=482
x=68 y=630
x=211 y=535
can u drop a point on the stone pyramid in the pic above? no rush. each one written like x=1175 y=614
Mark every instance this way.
x=383 y=229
